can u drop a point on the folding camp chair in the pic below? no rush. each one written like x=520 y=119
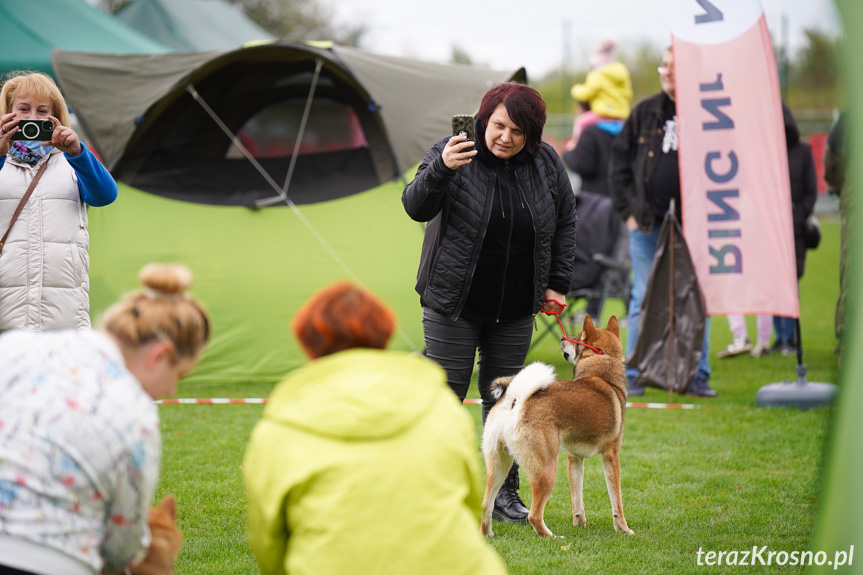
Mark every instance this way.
x=601 y=268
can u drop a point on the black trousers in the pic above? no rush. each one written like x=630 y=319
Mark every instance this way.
x=453 y=344
x=12 y=571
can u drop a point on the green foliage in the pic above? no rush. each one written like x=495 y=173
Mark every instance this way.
x=813 y=82
x=725 y=477
x=460 y=56
x=299 y=20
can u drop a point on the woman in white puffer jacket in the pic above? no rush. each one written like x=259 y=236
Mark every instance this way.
x=44 y=262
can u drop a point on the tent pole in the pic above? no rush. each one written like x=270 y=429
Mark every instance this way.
x=236 y=141
x=671 y=312
x=283 y=194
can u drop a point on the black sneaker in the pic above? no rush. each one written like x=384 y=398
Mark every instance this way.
x=508 y=506
x=632 y=389
x=699 y=388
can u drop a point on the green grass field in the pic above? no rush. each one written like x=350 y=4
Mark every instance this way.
x=725 y=477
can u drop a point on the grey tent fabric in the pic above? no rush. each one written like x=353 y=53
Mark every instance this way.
x=192 y=25
x=650 y=355
x=110 y=91
x=141 y=117
x=418 y=99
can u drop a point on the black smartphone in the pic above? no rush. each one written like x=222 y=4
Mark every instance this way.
x=463 y=124
x=34 y=130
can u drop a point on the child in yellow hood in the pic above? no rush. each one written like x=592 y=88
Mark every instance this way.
x=606 y=91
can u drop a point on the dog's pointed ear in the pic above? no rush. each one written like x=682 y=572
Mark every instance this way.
x=169 y=506
x=588 y=326
x=613 y=327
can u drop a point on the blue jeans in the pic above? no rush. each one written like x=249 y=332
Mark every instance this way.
x=453 y=344
x=786 y=329
x=642 y=249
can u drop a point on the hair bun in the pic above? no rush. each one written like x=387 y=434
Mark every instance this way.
x=166 y=279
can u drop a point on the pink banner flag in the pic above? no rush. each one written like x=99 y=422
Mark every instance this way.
x=735 y=190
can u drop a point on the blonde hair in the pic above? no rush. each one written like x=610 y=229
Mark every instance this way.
x=36 y=85
x=162 y=311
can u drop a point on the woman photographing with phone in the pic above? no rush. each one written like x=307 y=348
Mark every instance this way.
x=44 y=258
x=499 y=247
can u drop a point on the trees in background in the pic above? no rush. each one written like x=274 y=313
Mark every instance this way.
x=299 y=20
x=292 y=20
x=812 y=80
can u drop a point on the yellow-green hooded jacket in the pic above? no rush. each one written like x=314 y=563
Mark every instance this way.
x=365 y=462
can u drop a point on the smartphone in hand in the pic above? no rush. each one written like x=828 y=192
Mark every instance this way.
x=34 y=131
x=463 y=124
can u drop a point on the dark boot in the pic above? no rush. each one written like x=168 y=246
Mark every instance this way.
x=507 y=505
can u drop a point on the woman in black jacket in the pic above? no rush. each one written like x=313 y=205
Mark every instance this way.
x=804 y=193
x=499 y=246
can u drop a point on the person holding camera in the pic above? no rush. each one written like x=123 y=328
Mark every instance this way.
x=47 y=178
x=80 y=447
x=499 y=247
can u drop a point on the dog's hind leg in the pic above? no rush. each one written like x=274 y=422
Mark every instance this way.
x=611 y=467
x=576 y=482
x=542 y=470
x=497 y=464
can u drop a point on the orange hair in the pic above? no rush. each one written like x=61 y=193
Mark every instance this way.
x=342 y=316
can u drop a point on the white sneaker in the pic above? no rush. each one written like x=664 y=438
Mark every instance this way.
x=736 y=347
x=760 y=350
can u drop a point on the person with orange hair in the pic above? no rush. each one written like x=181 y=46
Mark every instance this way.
x=80 y=447
x=364 y=460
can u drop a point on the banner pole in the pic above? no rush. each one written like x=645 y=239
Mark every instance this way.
x=671 y=309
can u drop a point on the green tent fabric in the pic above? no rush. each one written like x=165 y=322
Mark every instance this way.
x=30 y=30
x=187 y=195
x=254 y=268
x=840 y=521
x=192 y=25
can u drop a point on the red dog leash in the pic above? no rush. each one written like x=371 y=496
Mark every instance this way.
x=556 y=315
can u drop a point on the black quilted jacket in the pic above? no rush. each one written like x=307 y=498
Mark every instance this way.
x=457 y=203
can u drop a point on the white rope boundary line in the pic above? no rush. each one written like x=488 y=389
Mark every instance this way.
x=260 y=400
x=282 y=195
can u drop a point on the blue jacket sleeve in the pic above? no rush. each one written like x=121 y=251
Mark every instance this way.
x=95 y=183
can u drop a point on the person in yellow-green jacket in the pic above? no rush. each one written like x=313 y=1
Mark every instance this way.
x=364 y=460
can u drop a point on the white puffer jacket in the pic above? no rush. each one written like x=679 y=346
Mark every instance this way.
x=44 y=281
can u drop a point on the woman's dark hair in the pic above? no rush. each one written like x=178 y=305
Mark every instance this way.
x=525 y=107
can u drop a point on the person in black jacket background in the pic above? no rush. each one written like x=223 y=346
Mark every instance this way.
x=591 y=156
x=498 y=248
x=644 y=177
x=804 y=193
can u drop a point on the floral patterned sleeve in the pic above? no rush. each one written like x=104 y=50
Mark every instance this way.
x=126 y=533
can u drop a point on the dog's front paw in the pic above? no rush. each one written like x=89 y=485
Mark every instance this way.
x=486 y=529
x=622 y=527
x=578 y=520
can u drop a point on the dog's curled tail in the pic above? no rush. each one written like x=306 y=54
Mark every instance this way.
x=529 y=380
x=498 y=387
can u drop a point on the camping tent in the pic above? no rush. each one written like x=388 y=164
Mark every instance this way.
x=327 y=129
x=30 y=30
x=192 y=25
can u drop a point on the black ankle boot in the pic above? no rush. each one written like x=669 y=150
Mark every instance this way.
x=507 y=505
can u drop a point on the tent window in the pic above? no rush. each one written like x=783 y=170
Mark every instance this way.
x=272 y=132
